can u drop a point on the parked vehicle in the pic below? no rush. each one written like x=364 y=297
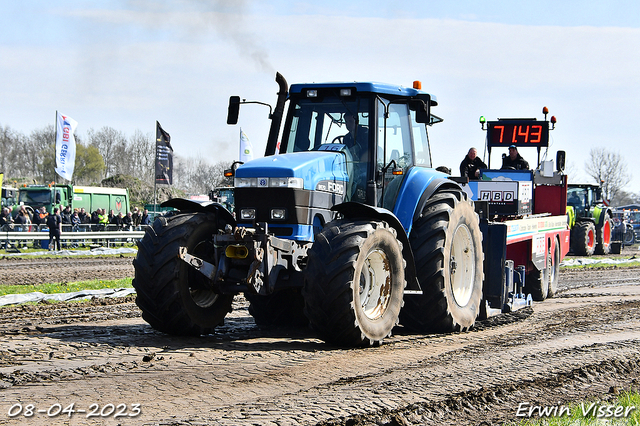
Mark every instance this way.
x=345 y=224
x=89 y=197
x=590 y=220
x=623 y=233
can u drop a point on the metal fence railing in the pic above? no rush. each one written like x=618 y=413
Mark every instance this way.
x=105 y=235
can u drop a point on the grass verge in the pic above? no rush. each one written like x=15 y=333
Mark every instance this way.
x=632 y=263
x=54 y=288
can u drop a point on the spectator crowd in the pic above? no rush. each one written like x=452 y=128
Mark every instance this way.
x=77 y=219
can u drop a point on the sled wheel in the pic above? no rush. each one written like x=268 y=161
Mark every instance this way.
x=553 y=263
x=174 y=297
x=354 y=282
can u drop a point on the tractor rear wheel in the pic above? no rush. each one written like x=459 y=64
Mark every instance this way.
x=583 y=238
x=603 y=235
x=174 y=297
x=447 y=247
x=354 y=282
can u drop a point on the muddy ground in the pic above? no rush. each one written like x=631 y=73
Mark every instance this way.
x=104 y=359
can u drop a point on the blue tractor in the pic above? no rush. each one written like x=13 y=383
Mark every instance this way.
x=343 y=224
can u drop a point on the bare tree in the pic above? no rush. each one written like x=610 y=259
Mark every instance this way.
x=142 y=151
x=12 y=152
x=196 y=176
x=111 y=143
x=39 y=149
x=609 y=169
x=624 y=198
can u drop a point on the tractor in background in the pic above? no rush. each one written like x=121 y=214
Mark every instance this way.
x=590 y=220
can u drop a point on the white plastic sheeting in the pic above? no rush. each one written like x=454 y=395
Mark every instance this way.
x=575 y=261
x=14 y=299
x=100 y=251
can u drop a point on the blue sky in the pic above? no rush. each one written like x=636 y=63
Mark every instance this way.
x=126 y=64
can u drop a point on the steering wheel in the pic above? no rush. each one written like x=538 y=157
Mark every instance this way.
x=338 y=139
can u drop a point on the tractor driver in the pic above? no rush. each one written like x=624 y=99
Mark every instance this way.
x=514 y=160
x=356 y=141
x=357 y=137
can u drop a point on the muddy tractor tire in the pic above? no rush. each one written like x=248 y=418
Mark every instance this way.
x=174 y=297
x=447 y=247
x=553 y=266
x=354 y=282
x=583 y=238
x=283 y=308
x=603 y=235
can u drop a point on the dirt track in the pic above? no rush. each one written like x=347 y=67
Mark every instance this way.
x=19 y=271
x=584 y=342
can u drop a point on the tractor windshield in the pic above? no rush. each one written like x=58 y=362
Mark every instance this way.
x=35 y=197
x=316 y=123
x=332 y=120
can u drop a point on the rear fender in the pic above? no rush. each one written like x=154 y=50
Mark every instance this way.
x=183 y=204
x=353 y=210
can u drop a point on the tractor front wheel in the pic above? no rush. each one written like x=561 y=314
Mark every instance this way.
x=583 y=238
x=354 y=282
x=174 y=297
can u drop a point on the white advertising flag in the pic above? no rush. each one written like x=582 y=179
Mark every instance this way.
x=65 y=145
x=246 y=150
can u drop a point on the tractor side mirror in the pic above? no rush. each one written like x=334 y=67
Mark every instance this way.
x=560 y=159
x=421 y=109
x=231 y=172
x=234 y=110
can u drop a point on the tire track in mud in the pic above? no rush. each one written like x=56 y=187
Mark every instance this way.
x=583 y=341
x=63 y=269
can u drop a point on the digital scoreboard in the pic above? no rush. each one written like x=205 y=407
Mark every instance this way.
x=518 y=132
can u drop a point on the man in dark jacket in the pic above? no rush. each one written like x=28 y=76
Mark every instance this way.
x=471 y=165
x=54 y=222
x=514 y=160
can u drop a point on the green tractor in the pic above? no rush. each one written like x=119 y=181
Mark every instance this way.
x=590 y=220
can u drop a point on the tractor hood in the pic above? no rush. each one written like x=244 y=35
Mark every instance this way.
x=308 y=169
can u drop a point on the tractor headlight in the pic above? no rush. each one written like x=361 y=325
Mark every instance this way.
x=245 y=182
x=248 y=214
x=278 y=214
x=286 y=182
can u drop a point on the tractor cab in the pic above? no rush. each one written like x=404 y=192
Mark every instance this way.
x=340 y=142
x=583 y=198
x=380 y=129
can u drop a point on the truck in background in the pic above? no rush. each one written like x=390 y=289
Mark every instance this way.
x=89 y=197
